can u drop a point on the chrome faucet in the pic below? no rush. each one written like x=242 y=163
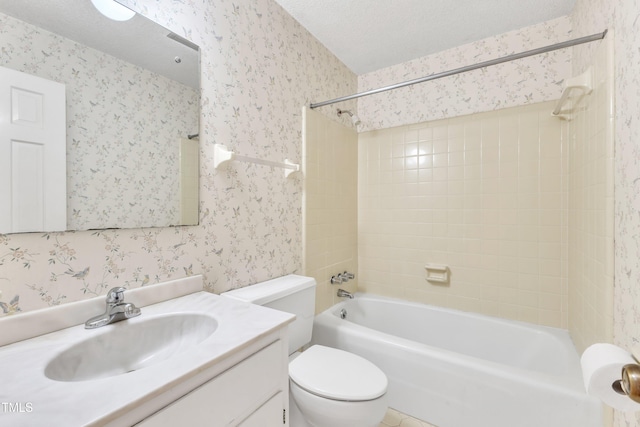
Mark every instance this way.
x=116 y=310
x=343 y=293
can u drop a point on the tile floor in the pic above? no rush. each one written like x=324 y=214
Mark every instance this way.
x=394 y=418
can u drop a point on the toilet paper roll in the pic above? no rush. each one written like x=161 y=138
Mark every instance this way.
x=601 y=367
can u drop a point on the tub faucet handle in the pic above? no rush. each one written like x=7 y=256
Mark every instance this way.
x=336 y=280
x=348 y=275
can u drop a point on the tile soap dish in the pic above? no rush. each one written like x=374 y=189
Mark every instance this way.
x=437 y=273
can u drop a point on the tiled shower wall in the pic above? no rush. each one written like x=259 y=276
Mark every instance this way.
x=329 y=205
x=484 y=194
x=189 y=175
x=591 y=207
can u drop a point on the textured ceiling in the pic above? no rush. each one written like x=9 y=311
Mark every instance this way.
x=368 y=35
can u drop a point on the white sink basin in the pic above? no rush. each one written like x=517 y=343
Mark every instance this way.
x=130 y=345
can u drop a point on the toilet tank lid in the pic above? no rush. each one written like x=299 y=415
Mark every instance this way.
x=265 y=292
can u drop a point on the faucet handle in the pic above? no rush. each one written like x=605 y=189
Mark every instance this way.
x=348 y=275
x=336 y=280
x=115 y=295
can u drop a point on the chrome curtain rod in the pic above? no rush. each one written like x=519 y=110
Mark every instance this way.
x=538 y=51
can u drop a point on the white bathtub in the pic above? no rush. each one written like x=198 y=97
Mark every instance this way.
x=456 y=369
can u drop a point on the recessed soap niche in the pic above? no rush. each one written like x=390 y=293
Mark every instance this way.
x=437 y=273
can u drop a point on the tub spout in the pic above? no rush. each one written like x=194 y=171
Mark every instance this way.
x=343 y=293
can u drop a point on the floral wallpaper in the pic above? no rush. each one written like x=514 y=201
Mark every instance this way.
x=258 y=68
x=120 y=118
x=525 y=81
x=623 y=18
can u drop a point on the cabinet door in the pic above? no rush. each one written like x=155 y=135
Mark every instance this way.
x=271 y=414
x=231 y=396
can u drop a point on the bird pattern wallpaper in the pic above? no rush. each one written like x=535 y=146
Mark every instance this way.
x=258 y=68
x=124 y=124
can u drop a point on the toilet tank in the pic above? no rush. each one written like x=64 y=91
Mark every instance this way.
x=292 y=294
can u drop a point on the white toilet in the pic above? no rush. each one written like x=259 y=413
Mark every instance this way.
x=328 y=387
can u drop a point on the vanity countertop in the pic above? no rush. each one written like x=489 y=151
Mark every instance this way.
x=123 y=399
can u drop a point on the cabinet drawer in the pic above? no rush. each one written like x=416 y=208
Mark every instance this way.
x=271 y=414
x=229 y=397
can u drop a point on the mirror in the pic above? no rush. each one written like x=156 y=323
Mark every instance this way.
x=132 y=110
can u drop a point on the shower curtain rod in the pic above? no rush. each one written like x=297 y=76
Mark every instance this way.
x=538 y=51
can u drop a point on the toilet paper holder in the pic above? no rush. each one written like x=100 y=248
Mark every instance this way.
x=629 y=384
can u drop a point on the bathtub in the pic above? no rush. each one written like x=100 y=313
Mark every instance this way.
x=456 y=369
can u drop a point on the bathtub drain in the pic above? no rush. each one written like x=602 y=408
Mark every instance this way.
x=343 y=314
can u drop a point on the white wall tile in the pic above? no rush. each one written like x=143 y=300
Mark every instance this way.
x=330 y=206
x=487 y=226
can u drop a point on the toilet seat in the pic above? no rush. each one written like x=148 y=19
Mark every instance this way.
x=336 y=374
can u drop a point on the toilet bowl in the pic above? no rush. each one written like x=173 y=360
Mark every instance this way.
x=333 y=388
x=328 y=387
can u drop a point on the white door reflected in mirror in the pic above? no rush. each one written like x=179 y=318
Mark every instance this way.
x=32 y=153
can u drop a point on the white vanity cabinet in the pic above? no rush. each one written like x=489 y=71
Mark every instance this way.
x=252 y=393
x=236 y=375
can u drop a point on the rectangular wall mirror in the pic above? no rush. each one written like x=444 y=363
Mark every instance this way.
x=132 y=117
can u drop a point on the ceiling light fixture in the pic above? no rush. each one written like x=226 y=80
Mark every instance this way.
x=113 y=10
